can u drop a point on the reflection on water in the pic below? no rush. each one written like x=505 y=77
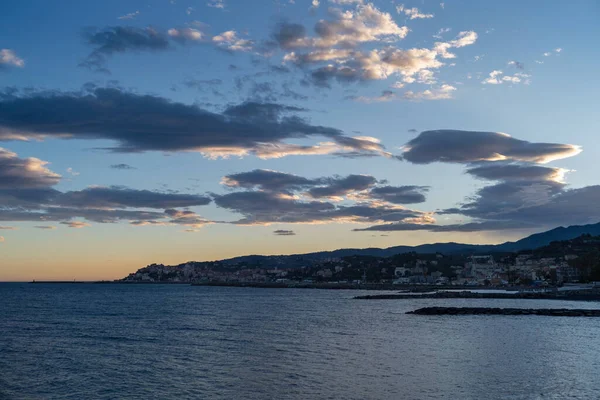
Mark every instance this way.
x=172 y=341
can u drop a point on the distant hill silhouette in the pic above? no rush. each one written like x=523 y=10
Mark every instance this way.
x=527 y=243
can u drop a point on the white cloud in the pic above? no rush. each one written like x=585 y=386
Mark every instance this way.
x=412 y=13
x=231 y=41
x=346 y=2
x=444 y=92
x=189 y=10
x=216 y=4
x=8 y=57
x=441 y=32
x=130 y=15
x=398 y=85
x=558 y=50
x=365 y=24
x=186 y=34
x=426 y=76
x=497 y=77
x=463 y=39
x=72 y=172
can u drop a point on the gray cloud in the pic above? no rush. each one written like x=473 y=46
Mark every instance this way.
x=400 y=194
x=498 y=170
x=120 y=197
x=267 y=180
x=259 y=208
x=162 y=125
x=467 y=227
x=122 y=166
x=120 y=39
x=340 y=186
x=24 y=173
x=284 y=232
x=453 y=146
x=289 y=35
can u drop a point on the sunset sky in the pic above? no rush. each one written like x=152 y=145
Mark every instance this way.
x=134 y=132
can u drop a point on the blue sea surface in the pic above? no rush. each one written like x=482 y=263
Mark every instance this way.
x=111 y=341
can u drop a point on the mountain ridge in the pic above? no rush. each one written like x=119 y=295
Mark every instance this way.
x=527 y=243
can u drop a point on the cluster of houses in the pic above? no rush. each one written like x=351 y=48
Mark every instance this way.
x=477 y=270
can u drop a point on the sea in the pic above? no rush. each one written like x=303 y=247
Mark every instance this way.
x=120 y=341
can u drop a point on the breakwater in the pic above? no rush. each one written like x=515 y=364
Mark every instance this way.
x=551 y=312
x=579 y=295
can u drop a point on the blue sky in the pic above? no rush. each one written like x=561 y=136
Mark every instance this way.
x=192 y=99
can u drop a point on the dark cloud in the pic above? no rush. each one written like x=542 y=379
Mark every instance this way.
x=288 y=35
x=399 y=194
x=467 y=227
x=24 y=173
x=454 y=146
x=122 y=166
x=259 y=208
x=267 y=180
x=340 y=186
x=510 y=171
x=283 y=232
x=162 y=125
x=201 y=84
x=120 y=197
x=120 y=39
x=324 y=75
x=26 y=194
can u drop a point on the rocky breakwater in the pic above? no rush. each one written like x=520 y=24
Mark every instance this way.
x=551 y=312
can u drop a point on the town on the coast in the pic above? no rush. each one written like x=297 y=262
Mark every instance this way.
x=569 y=261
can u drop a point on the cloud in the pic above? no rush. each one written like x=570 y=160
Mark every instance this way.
x=263 y=208
x=444 y=92
x=399 y=194
x=120 y=39
x=120 y=197
x=9 y=58
x=365 y=24
x=272 y=197
x=412 y=13
x=7 y=228
x=122 y=166
x=498 y=170
x=72 y=172
x=289 y=35
x=184 y=35
x=346 y=2
x=220 y=4
x=386 y=95
x=163 y=125
x=496 y=77
x=75 y=224
x=45 y=227
x=341 y=186
x=201 y=84
x=454 y=146
x=283 y=232
x=230 y=41
x=517 y=64
x=265 y=179
x=24 y=173
x=130 y=15
x=466 y=227
x=26 y=194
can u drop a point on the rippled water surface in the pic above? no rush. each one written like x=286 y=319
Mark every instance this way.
x=86 y=341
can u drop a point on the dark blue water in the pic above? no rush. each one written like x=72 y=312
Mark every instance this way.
x=178 y=342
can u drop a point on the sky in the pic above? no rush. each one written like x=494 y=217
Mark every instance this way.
x=165 y=131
